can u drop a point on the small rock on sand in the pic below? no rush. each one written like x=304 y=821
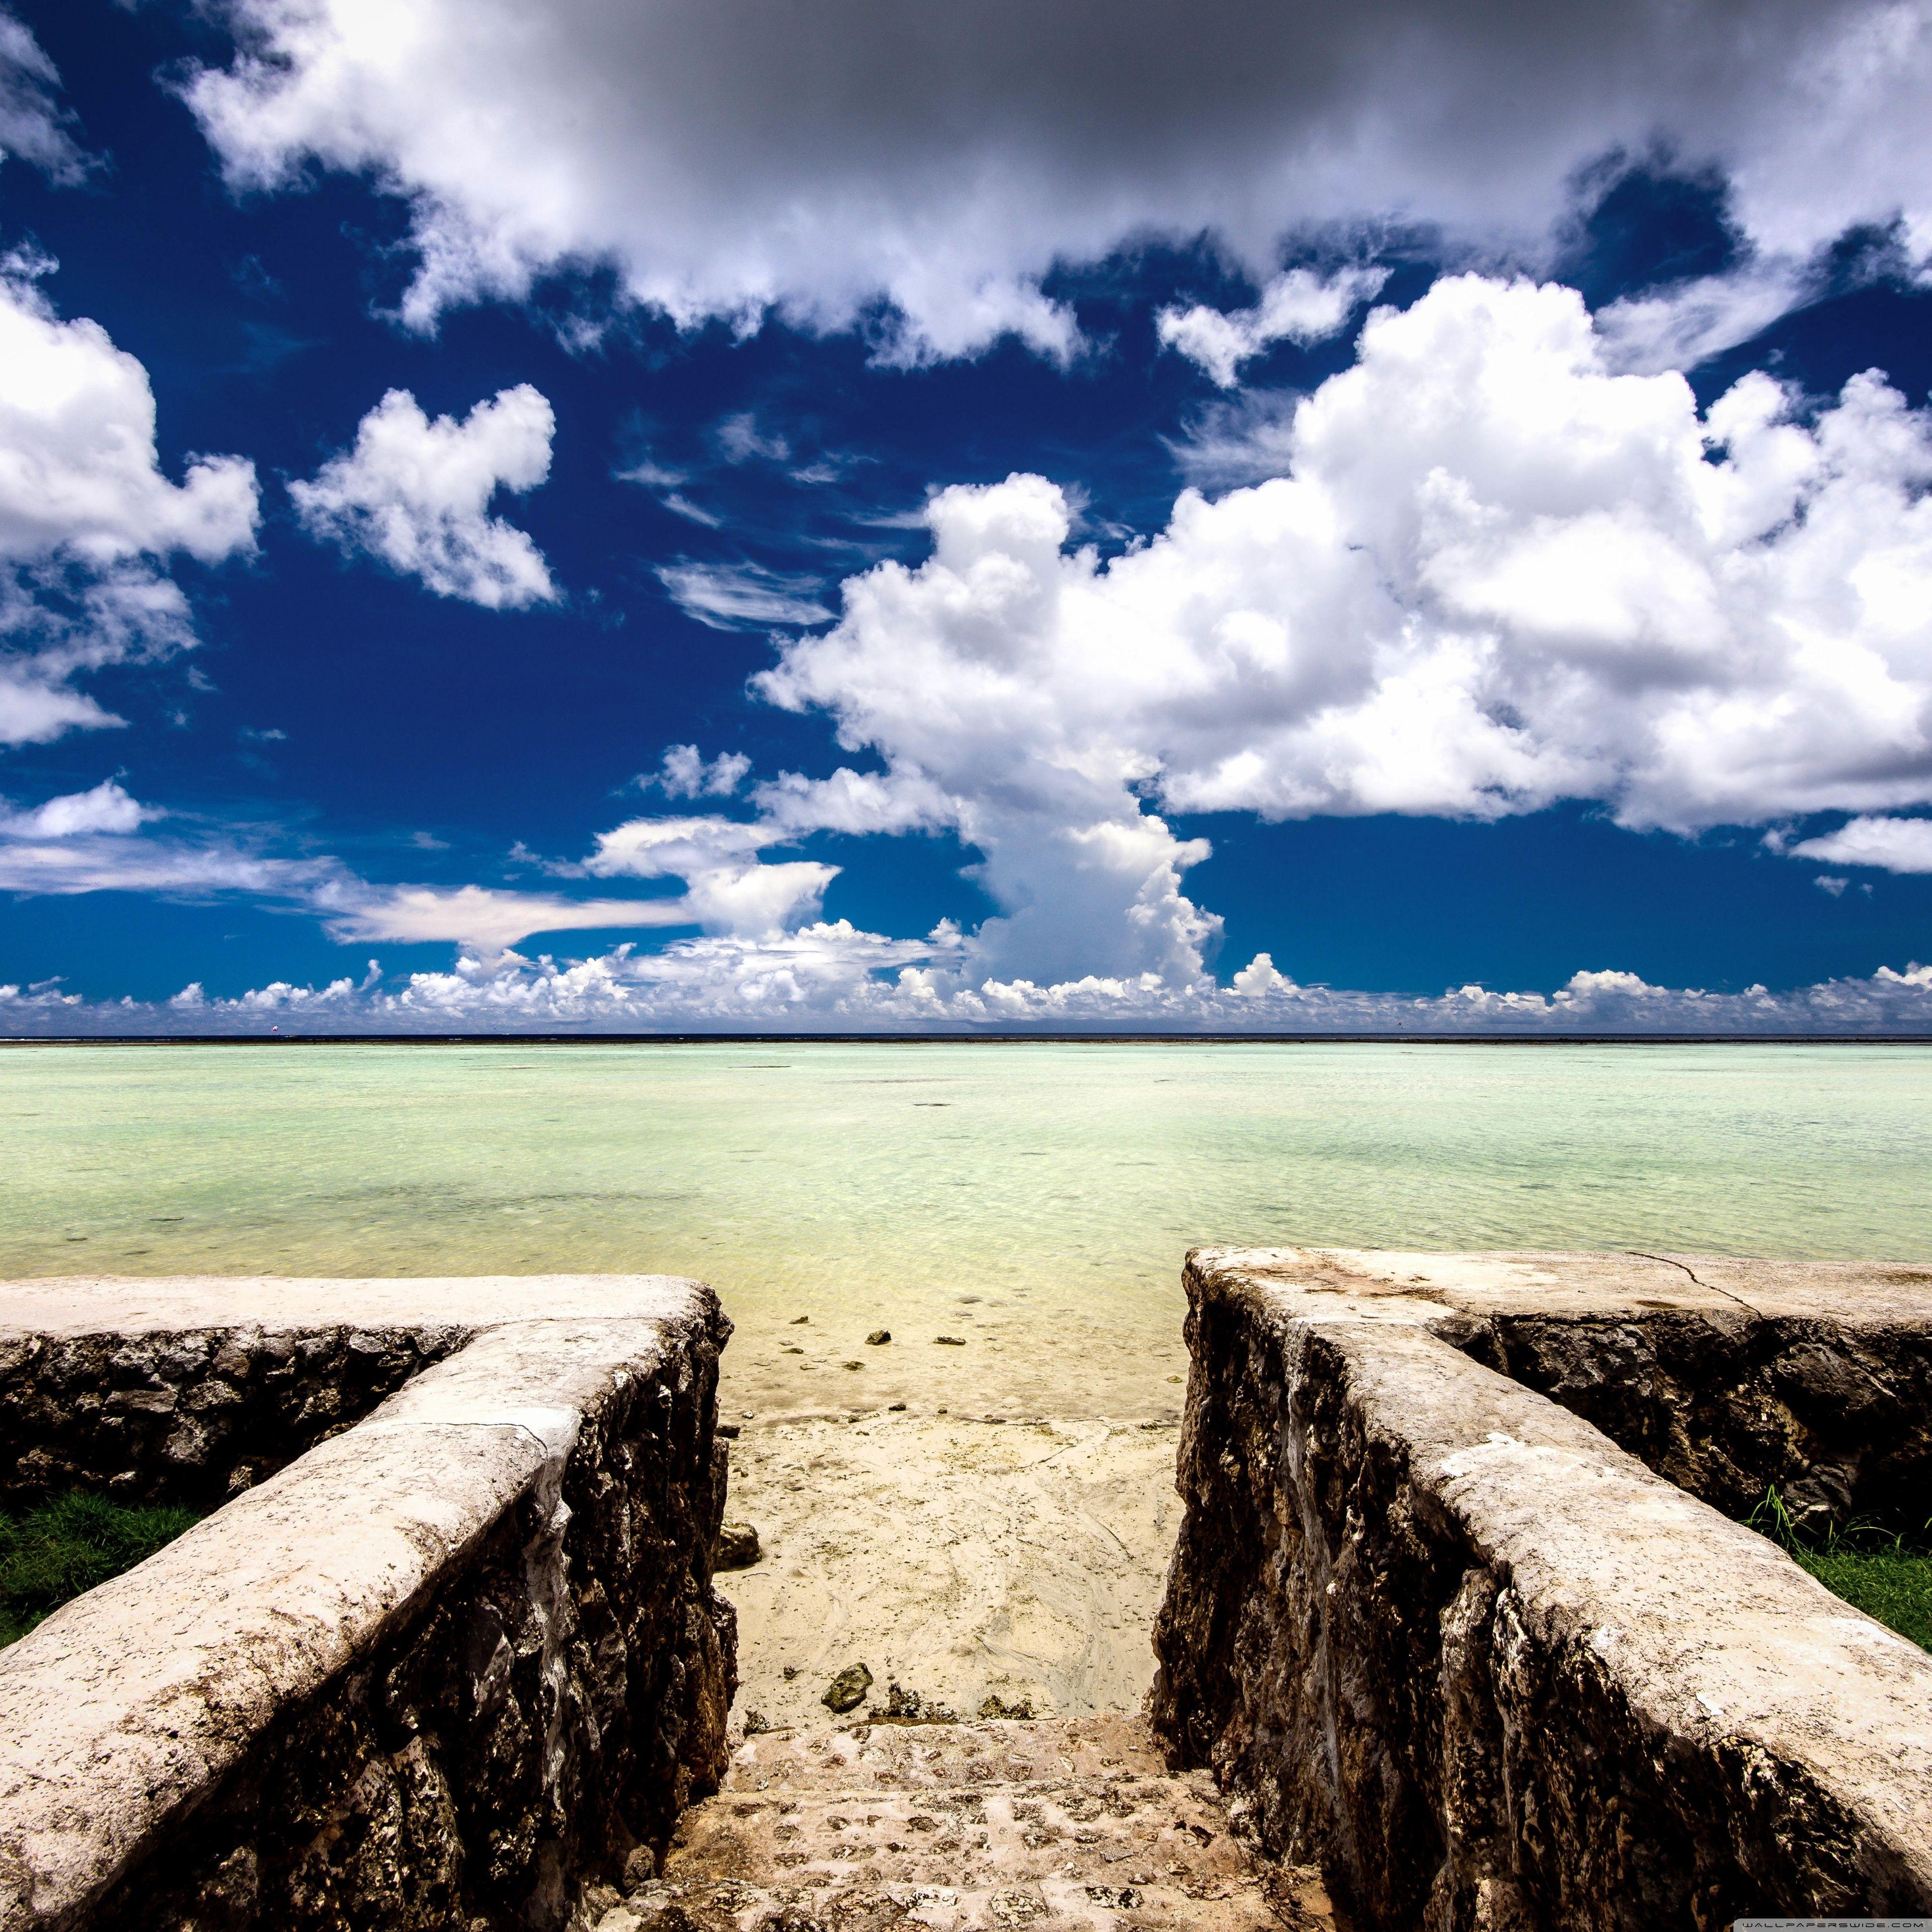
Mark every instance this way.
x=848 y=1690
x=878 y=1336
x=950 y=1341
x=737 y=1547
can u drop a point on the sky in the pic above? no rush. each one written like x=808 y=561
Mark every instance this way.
x=559 y=515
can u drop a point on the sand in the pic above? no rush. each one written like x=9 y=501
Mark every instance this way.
x=1006 y=1533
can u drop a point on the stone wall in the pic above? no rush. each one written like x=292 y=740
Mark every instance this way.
x=449 y=1668
x=1726 y=1403
x=192 y=1416
x=1439 y=1634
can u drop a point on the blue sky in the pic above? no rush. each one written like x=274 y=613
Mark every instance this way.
x=648 y=521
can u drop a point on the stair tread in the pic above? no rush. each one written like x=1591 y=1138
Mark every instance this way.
x=1070 y=1825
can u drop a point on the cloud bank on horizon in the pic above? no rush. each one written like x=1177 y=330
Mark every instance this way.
x=1506 y=545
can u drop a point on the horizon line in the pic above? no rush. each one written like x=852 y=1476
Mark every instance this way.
x=1365 y=1038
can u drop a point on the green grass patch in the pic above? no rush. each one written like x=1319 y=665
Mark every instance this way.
x=67 y=1546
x=1885 y=1573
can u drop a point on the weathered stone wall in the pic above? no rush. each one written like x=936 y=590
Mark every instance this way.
x=1726 y=1403
x=190 y=1416
x=1437 y=1634
x=447 y=1669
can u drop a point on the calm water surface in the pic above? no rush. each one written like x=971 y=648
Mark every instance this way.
x=1059 y=1174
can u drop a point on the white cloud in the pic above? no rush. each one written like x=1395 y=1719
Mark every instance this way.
x=33 y=124
x=814 y=159
x=1679 y=327
x=741 y=440
x=94 y=841
x=1495 y=575
x=856 y=802
x=415 y=494
x=1898 y=845
x=78 y=472
x=680 y=504
x=830 y=977
x=1300 y=307
x=478 y=917
x=742 y=596
x=685 y=773
x=87 y=517
x=728 y=887
x=107 y=808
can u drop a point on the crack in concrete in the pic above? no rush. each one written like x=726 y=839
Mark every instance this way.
x=1711 y=1287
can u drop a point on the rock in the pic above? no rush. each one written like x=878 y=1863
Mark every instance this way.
x=900 y=1702
x=995 y=1706
x=737 y=1547
x=755 y=1724
x=855 y=1365
x=729 y=1430
x=846 y=1691
x=894 y=1409
x=950 y=1341
x=797 y=1318
x=639 y=1868
x=878 y=1337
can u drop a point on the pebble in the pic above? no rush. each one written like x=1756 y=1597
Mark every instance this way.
x=846 y=1691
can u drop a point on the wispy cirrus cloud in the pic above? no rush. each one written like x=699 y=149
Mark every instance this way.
x=743 y=596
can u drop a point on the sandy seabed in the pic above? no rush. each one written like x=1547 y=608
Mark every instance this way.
x=1005 y=1534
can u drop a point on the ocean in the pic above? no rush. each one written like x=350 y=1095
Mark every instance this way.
x=895 y=1171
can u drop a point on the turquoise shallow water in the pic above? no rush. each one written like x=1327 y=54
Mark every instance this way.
x=876 y=1174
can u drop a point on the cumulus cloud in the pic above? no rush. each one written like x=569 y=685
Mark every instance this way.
x=742 y=596
x=107 y=808
x=685 y=773
x=730 y=161
x=414 y=495
x=1494 y=574
x=727 y=886
x=1898 y=845
x=87 y=518
x=1300 y=307
x=831 y=976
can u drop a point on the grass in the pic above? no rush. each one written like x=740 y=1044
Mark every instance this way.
x=1885 y=1572
x=54 y=1552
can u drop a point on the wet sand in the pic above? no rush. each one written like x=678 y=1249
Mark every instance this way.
x=1006 y=1533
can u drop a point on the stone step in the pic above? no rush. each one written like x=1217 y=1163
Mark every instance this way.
x=1050 y=1826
